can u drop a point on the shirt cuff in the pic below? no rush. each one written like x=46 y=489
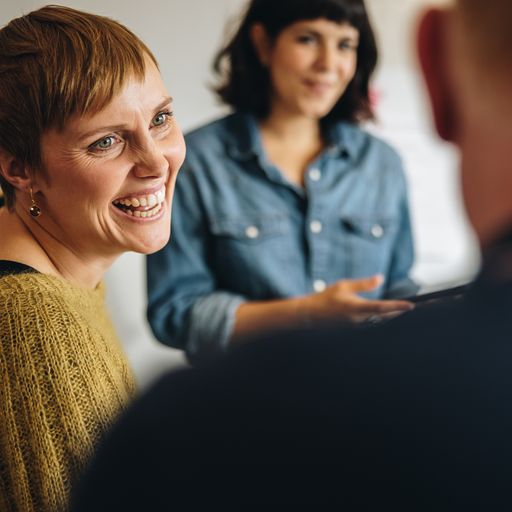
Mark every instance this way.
x=211 y=321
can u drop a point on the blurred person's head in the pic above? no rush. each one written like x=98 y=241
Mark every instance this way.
x=310 y=57
x=466 y=54
x=86 y=131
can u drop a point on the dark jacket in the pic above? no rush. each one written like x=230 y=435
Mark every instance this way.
x=415 y=414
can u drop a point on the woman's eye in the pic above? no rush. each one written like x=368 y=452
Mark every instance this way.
x=306 y=39
x=161 y=118
x=104 y=144
x=347 y=45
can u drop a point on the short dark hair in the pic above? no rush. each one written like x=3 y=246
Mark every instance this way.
x=244 y=83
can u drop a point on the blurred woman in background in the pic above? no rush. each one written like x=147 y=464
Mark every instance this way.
x=286 y=210
x=89 y=153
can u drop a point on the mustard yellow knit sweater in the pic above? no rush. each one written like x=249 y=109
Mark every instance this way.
x=63 y=380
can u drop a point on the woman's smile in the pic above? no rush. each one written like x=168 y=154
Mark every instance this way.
x=319 y=87
x=144 y=205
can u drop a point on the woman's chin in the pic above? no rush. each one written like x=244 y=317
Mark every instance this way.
x=153 y=241
x=317 y=109
x=145 y=235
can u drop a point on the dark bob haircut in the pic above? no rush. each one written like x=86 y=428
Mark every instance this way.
x=244 y=83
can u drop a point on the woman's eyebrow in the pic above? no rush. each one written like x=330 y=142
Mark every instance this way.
x=118 y=127
x=100 y=129
x=316 y=33
x=164 y=103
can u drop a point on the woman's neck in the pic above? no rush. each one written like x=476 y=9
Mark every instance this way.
x=287 y=127
x=291 y=143
x=27 y=242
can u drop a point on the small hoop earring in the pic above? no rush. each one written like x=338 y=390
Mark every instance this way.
x=34 y=210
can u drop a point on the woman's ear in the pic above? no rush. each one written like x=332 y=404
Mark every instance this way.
x=433 y=57
x=261 y=42
x=14 y=172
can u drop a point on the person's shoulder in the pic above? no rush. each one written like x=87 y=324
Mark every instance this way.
x=366 y=140
x=37 y=284
x=29 y=287
x=39 y=299
x=35 y=308
x=212 y=134
x=211 y=147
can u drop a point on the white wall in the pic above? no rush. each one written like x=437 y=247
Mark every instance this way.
x=445 y=245
x=184 y=35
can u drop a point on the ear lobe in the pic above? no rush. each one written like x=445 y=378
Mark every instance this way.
x=15 y=173
x=261 y=43
x=432 y=54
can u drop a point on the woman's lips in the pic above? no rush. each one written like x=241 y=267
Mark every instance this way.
x=142 y=206
x=142 y=200
x=318 y=87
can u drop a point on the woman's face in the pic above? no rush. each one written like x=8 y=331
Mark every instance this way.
x=109 y=176
x=311 y=64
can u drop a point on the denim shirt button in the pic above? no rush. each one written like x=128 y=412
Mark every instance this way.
x=377 y=231
x=315 y=226
x=315 y=174
x=252 y=232
x=319 y=285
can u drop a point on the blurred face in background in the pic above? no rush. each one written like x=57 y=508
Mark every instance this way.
x=311 y=63
x=468 y=77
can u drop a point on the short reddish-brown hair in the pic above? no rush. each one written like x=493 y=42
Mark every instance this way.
x=54 y=63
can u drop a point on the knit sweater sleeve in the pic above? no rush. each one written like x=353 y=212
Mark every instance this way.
x=63 y=381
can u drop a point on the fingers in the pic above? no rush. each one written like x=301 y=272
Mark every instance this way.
x=390 y=316
x=372 y=317
x=384 y=317
x=342 y=302
x=382 y=307
x=365 y=284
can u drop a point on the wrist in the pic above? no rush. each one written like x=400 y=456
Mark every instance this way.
x=304 y=312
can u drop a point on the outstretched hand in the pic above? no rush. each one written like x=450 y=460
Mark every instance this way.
x=341 y=302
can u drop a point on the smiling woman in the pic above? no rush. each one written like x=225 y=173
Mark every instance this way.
x=286 y=211
x=125 y=153
x=89 y=177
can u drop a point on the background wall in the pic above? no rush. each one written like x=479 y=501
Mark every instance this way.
x=184 y=35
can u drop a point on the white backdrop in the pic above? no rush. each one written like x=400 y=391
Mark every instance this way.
x=184 y=34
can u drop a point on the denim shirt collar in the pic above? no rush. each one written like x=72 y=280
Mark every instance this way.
x=343 y=140
x=244 y=140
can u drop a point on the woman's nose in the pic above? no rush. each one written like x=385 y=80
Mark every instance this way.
x=328 y=58
x=150 y=161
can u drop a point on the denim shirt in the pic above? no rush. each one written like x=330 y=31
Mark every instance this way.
x=242 y=232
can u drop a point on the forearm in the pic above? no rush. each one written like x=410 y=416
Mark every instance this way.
x=338 y=303
x=271 y=315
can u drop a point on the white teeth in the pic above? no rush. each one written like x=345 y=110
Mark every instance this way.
x=144 y=214
x=152 y=200
x=149 y=201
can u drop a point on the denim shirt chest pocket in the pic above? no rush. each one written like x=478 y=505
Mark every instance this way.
x=250 y=250
x=368 y=241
